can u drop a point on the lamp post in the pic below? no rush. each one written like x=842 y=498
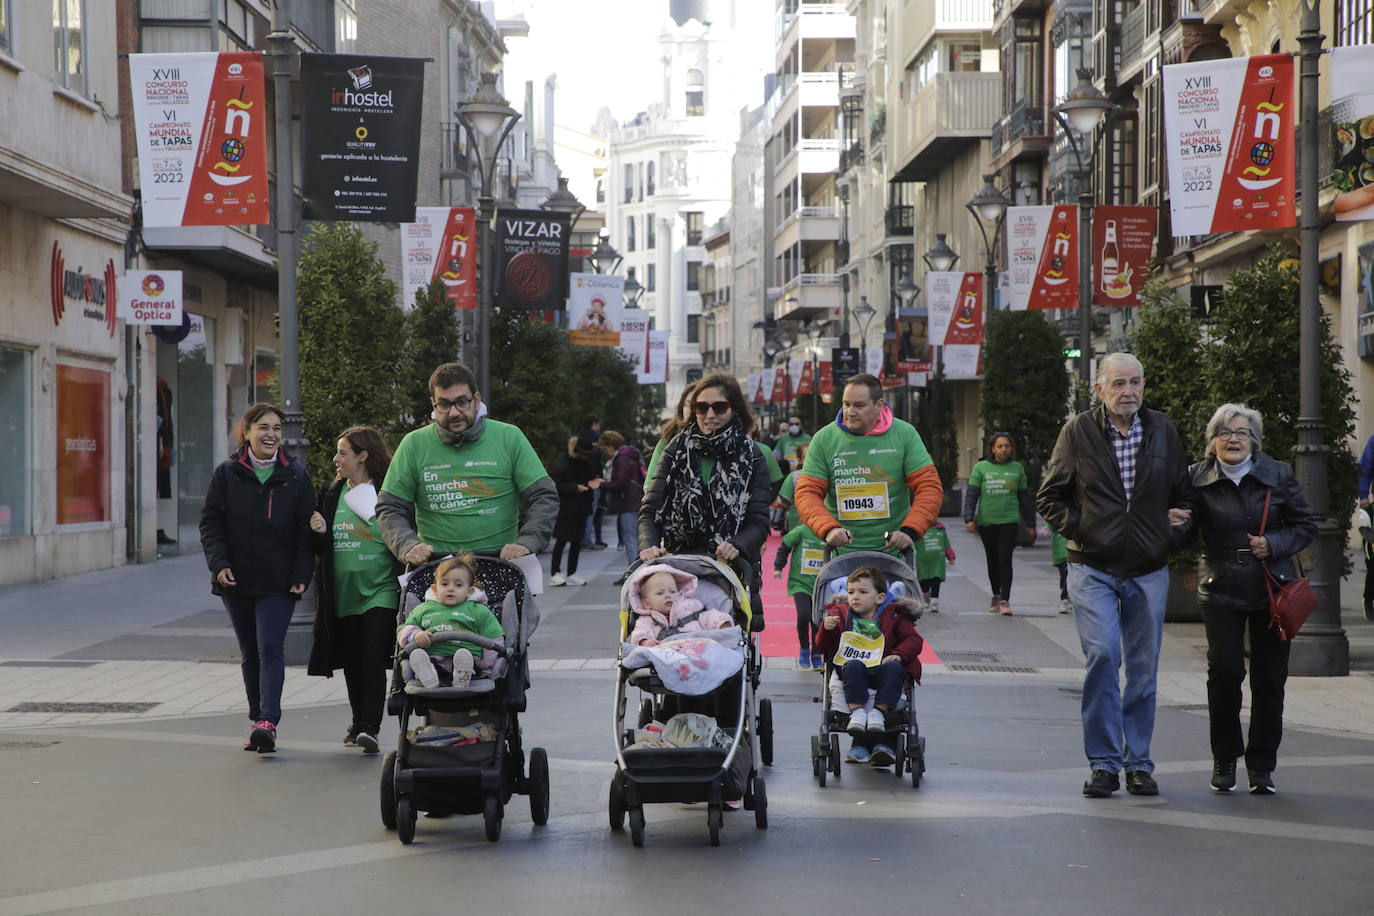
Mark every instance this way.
x=814 y=332
x=1080 y=113
x=988 y=208
x=844 y=309
x=563 y=200
x=605 y=259
x=488 y=120
x=863 y=314
x=632 y=293
x=939 y=258
x=289 y=377
x=1321 y=648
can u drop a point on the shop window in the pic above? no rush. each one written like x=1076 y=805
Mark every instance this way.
x=16 y=433
x=188 y=372
x=83 y=445
x=69 y=44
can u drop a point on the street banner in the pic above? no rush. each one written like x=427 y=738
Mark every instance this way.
x=1123 y=243
x=1042 y=249
x=827 y=380
x=753 y=386
x=360 y=136
x=766 y=377
x=594 y=308
x=782 y=386
x=634 y=336
x=794 y=373
x=200 y=125
x=531 y=268
x=961 y=361
x=806 y=378
x=441 y=245
x=149 y=297
x=844 y=365
x=1352 y=129
x=964 y=339
x=942 y=291
x=655 y=359
x=873 y=361
x=918 y=379
x=1230 y=145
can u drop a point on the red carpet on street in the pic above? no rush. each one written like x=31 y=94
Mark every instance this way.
x=779 y=639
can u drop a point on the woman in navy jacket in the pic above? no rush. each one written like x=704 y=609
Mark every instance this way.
x=255 y=530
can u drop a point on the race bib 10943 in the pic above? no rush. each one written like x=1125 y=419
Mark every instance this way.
x=861 y=501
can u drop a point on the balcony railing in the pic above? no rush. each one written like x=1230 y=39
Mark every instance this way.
x=1133 y=33
x=852 y=156
x=900 y=219
x=877 y=126
x=1026 y=119
x=454 y=160
x=949 y=112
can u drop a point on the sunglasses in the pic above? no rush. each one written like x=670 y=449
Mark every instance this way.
x=720 y=408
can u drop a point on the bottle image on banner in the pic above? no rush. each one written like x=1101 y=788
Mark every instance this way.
x=1110 y=261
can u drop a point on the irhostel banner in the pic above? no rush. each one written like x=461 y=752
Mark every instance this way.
x=1228 y=127
x=442 y=245
x=1123 y=242
x=531 y=258
x=360 y=136
x=1352 y=129
x=1042 y=251
x=594 y=305
x=200 y=123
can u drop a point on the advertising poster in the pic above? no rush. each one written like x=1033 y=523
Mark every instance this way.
x=200 y=124
x=531 y=258
x=360 y=136
x=634 y=336
x=655 y=359
x=963 y=340
x=873 y=361
x=1352 y=131
x=1123 y=243
x=827 y=379
x=806 y=378
x=441 y=245
x=1042 y=248
x=83 y=445
x=753 y=384
x=594 y=309
x=149 y=297
x=782 y=386
x=844 y=365
x=1229 y=144
x=942 y=291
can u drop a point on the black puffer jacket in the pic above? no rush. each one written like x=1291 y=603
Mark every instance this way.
x=1225 y=514
x=259 y=530
x=1082 y=498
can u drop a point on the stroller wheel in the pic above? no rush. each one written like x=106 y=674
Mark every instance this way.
x=389 y=791
x=491 y=815
x=835 y=754
x=820 y=764
x=760 y=803
x=405 y=819
x=900 y=755
x=637 y=825
x=539 y=786
x=715 y=819
x=615 y=805
x=766 y=731
x=918 y=762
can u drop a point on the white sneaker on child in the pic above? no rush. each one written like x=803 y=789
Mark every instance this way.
x=858 y=722
x=877 y=720
x=558 y=579
x=1065 y=606
x=935 y=605
x=576 y=580
x=423 y=667
x=462 y=668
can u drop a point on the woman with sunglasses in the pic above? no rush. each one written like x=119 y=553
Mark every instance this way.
x=710 y=491
x=997 y=504
x=682 y=418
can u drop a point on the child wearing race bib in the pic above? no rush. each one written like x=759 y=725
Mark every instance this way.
x=807 y=553
x=663 y=602
x=932 y=553
x=447 y=662
x=874 y=644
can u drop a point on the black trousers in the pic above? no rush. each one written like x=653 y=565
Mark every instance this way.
x=998 y=543
x=805 y=629
x=363 y=644
x=574 y=546
x=931 y=587
x=1226 y=631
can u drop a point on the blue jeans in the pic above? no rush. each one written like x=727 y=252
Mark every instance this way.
x=260 y=625
x=887 y=679
x=1115 y=614
x=627 y=524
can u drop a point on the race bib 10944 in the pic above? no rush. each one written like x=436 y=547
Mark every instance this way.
x=856 y=648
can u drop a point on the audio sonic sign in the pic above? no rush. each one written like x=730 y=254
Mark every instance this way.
x=360 y=130
x=150 y=297
x=1230 y=144
x=201 y=127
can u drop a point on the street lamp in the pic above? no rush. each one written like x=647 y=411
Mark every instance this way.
x=605 y=259
x=488 y=120
x=906 y=288
x=633 y=291
x=988 y=208
x=562 y=200
x=1080 y=113
x=940 y=257
x=863 y=314
x=814 y=332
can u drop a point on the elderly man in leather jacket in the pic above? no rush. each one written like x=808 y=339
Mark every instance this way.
x=1115 y=472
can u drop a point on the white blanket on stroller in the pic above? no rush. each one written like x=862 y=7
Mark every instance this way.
x=691 y=663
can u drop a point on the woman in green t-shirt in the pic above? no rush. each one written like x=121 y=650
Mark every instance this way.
x=997 y=500
x=355 y=608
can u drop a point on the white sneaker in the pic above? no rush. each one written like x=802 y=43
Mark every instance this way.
x=558 y=579
x=935 y=605
x=877 y=720
x=462 y=668
x=423 y=667
x=576 y=580
x=858 y=722
x=1065 y=606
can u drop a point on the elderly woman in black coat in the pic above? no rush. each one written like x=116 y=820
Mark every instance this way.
x=1250 y=512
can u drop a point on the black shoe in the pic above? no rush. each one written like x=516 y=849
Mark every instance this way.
x=1101 y=784
x=368 y=743
x=1261 y=783
x=600 y=545
x=1223 y=775
x=162 y=537
x=351 y=737
x=620 y=580
x=1138 y=782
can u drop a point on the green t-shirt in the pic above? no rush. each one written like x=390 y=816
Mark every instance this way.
x=788 y=495
x=708 y=465
x=362 y=564
x=930 y=553
x=808 y=556
x=263 y=473
x=787 y=446
x=866 y=479
x=1059 y=548
x=466 y=497
x=1000 y=487
x=467 y=617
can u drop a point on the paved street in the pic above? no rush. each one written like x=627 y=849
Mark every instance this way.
x=155 y=810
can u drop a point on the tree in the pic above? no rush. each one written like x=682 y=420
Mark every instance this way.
x=1168 y=343
x=350 y=340
x=939 y=433
x=1025 y=385
x=433 y=337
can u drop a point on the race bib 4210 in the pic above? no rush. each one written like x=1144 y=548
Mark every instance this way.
x=861 y=501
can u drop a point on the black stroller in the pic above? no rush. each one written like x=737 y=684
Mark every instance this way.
x=714 y=775
x=428 y=771
x=901 y=729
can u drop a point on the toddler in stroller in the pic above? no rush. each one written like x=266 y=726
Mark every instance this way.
x=666 y=605
x=450 y=662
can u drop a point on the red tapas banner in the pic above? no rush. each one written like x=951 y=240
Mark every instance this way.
x=442 y=245
x=806 y=380
x=1123 y=243
x=781 y=386
x=1042 y=254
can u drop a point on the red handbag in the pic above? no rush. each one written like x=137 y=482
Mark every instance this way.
x=1290 y=603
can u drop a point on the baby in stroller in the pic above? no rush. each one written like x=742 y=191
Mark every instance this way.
x=874 y=644
x=667 y=605
x=448 y=662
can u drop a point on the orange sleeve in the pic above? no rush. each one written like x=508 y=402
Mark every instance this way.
x=927 y=496
x=810 y=499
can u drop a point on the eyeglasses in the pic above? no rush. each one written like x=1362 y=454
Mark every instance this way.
x=720 y=408
x=1238 y=434
x=443 y=405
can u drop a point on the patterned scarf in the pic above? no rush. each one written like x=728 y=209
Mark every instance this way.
x=695 y=513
